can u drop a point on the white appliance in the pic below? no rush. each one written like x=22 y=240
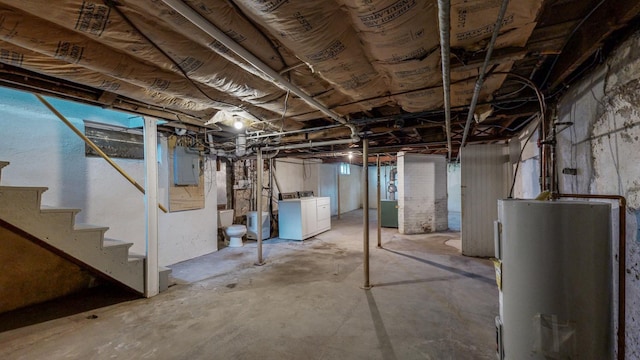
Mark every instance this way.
x=300 y=219
x=252 y=225
x=555 y=288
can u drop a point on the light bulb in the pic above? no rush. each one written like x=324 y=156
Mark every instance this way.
x=350 y=155
x=238 y=124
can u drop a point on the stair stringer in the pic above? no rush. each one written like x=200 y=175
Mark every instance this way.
x=20 y=206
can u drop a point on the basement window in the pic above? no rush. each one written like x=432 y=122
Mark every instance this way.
x=345 y=169
x=115 y=141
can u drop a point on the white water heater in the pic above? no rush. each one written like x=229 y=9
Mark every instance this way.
x=252 y=225
x=555 y=288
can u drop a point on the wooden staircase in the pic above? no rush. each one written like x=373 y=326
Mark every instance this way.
x=21 y=207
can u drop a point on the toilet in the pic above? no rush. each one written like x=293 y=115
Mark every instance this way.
x=233 y=232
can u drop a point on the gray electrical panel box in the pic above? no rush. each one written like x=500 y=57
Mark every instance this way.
x=186 y=166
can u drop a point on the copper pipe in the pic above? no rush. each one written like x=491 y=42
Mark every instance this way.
x=622 y=261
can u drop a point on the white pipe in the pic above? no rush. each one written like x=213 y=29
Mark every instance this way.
x=152 y=281
x=198 y=20
x=444 y=17
x=480 y=80
x=311 y=144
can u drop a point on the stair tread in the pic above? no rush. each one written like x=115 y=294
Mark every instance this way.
x=89 y=227
x=17 y=188
x=136 y=256
x=106 y=242
x=54 y=209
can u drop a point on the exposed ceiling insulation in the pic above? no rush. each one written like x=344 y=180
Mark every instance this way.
x=298 y=71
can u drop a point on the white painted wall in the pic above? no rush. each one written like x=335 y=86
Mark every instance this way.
x=422 y=193
x=289 y=172
x=527 y=182
x=44 y=152
x=604 y=146
x=327 y=184
x=454 y=196
x=373 y=184
x=351 y=190
x=485 y=174
x=311 y=174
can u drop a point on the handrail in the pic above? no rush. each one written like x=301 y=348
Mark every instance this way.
x=94 y=147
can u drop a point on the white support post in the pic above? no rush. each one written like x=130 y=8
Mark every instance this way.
x=152 y=282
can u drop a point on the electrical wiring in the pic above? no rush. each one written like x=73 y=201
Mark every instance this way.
x=575 y=29
x=515 y=173
x=541 y=121
x=197 y=86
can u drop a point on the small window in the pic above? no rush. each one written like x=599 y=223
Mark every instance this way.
x=345 y=169
x=115 y=141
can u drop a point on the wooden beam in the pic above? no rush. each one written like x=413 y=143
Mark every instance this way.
x=609 y=17
x=475 y=59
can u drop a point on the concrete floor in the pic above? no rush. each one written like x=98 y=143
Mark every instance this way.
x=428 y=302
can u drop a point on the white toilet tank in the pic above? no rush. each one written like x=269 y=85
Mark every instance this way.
x=225 y=218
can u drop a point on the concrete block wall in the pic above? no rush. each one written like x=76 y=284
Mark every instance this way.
x=422 y=193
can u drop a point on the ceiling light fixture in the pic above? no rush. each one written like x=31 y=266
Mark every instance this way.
x=350 y=155
x=238 y=124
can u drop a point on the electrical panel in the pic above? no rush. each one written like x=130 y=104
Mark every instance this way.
x=186 y=166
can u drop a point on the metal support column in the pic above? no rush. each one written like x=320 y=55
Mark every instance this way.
x=338 y=190
x=379 y=201
x=152 y=281
x=365 y=210
x=259 y=167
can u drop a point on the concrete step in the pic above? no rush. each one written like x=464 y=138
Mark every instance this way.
x=20 y=199
x=21 y=206
x=116 y=248
x=2 y=165
x=90 y=235
x=65 y=215
x=164 y=277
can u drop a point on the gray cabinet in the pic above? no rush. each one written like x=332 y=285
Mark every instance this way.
x=300 y=219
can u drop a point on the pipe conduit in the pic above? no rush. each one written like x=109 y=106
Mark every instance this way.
x=444 y=22
x=483 y=70
x=311 y=144
x=203 y=24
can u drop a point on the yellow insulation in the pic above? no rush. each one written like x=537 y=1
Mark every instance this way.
x=104 y=25
x=16 y=56
x=399 y=35
x=319 y=33
x=472 y=22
